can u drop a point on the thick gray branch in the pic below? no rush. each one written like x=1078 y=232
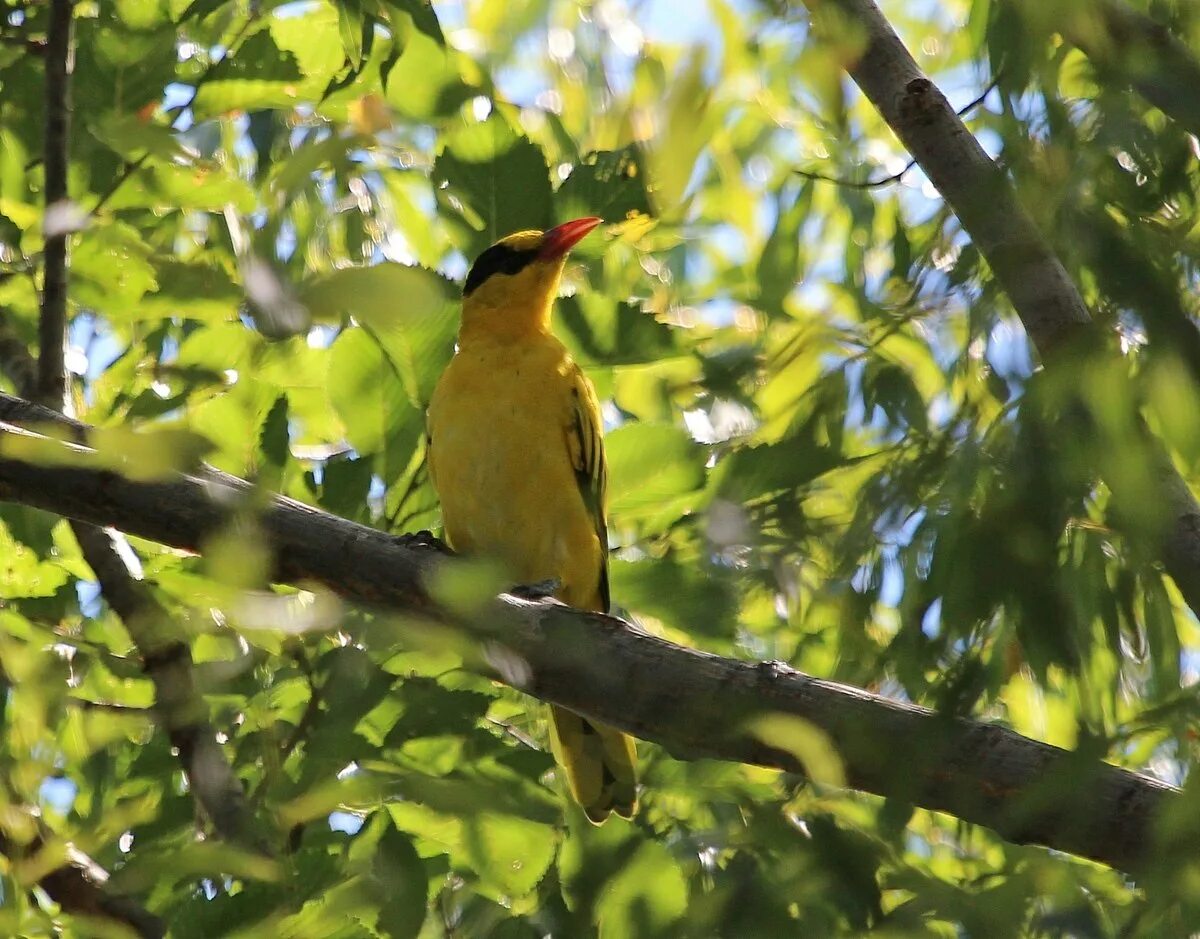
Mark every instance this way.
x=1038 y=286
x=694 y=704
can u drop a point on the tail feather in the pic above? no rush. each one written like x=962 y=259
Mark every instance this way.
x=599 y=763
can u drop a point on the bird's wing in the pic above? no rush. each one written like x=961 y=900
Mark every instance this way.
x=585 y=443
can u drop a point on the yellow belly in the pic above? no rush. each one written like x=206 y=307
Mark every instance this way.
x=502 y=468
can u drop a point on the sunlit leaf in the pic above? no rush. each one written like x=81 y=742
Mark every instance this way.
x=649 y=463
x=498 y=178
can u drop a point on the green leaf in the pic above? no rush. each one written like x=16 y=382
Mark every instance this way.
x=142 y=14
x=500 y=180
x=1162 y=636
x=689 y=119
x=111 y=270
x=510 y=854
x=195 y=290
x=260 y=75
x=646 y=897
x=424 y=82
x=366 y=392
x=691 y=597
x=649 y=464
x=23 y=574
x=601 y=331
x=333 y=152
x=350 y=25
x=345 y=482
x=789 y=464
x=131 y=137
x=423 y=17
x=201 y=858
x=779 y=266
x=120 y=69
x=151 y=453
x=382 y=295
x=273 y=441
x=610 y=184
x=891 y=388
x=163 y=186
x=429 y=709
x=403 y=883
x=312 y=39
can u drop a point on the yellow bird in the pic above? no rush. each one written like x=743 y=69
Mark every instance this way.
x=517 y=459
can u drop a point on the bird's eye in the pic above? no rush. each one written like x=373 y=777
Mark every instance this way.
x=498 y=259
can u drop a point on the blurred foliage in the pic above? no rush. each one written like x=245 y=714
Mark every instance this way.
x=829 y=446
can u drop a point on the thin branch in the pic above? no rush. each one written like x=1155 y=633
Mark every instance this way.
x=896 y=177
x=77 y=885
x=52 y=325
x=32 y=46
x=1027 y=269
x=693 y=703
x=167 y=662
x=311 y=708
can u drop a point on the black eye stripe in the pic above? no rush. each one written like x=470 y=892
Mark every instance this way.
x=498 y=259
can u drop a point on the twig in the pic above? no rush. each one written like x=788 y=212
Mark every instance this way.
x=896 y=177
x=32 y=46
x=310 y=709
x=177 y=701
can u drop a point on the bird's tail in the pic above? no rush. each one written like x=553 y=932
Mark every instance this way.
x=600 y=764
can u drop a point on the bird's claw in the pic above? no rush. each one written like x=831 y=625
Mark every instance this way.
x=539 y=590
x=423 y=539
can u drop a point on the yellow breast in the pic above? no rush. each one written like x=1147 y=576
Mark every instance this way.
x=499 y=422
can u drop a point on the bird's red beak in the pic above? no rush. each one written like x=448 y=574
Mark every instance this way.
x=558 y=241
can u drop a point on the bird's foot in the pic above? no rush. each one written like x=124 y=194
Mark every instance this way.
x=539 y=590
x=423 y=539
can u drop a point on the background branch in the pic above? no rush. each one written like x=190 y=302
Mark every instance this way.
x=166 y=660
x=693 y=703
x=78 y=886
x=52 y=325
x=1142 y=52
x=897 y=176
x=1039 y=288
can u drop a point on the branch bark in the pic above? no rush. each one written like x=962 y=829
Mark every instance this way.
x=1047 y=302
x=694 y=704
